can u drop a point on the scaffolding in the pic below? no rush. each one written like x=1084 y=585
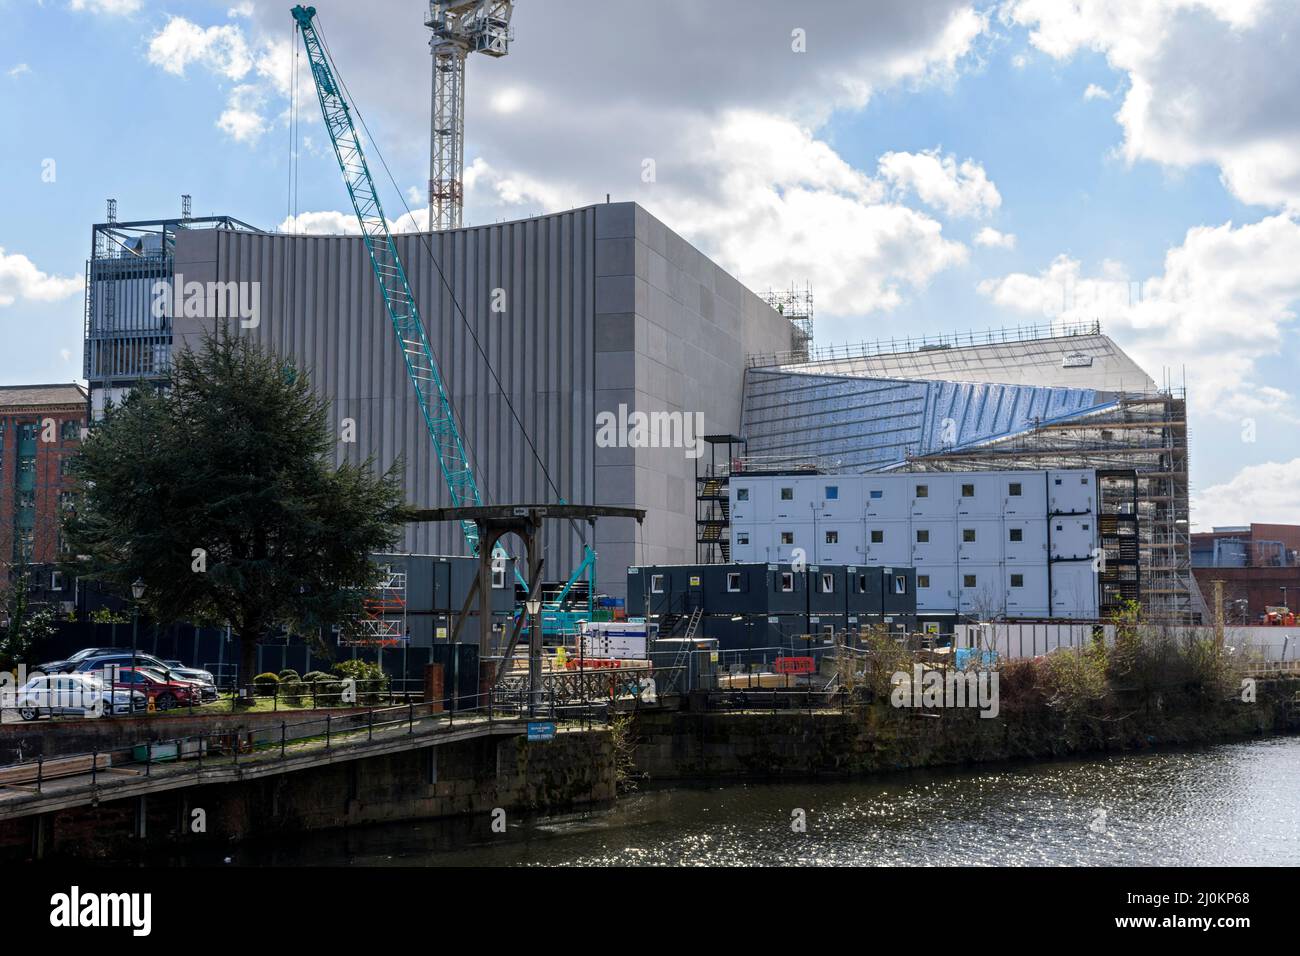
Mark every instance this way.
x=796 y=304
x=382 y=622
x=128 y=338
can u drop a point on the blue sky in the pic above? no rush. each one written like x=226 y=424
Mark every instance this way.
x=867 y=163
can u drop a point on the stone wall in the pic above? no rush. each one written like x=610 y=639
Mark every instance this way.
x=469 y=777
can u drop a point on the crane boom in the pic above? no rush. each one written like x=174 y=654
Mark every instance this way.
x=421 y=366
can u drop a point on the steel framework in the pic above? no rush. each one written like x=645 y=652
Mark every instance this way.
x=460 y=27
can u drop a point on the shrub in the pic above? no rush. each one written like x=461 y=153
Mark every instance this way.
x=289 y=674
x=265 y=685
x=321 y=688
x=371 y=681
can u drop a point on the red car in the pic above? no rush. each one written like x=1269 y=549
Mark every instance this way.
x=165 y=694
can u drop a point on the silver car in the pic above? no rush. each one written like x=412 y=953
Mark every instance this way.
x=77 y=695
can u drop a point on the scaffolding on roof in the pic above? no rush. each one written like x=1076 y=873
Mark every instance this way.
x=796 y=304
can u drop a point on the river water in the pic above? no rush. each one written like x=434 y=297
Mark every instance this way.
x=1233 y=804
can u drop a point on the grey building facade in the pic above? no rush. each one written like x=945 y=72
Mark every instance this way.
x=604 y=311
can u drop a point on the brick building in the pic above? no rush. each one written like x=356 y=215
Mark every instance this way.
x=40 y=429
x=1259 y=565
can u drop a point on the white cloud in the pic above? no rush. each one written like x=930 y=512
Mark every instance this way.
x=20 y=279
x=242 y=120
x=958 y=189
x=221 y=49
x=19 y=70
x=988 y=236
x=260 y=68
x=1268 y=493
x=1225 y=300
x=1095 y=92
x=742 y=170
x=1208 y=81
x=117 y=7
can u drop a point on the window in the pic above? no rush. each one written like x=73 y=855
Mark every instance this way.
x=922 y=581
x=787 y=537
x=832 y=492
x=656 y=584
x=832 y=537
x=1083 y=479
x=1017 y=580
x=828 y=584
x=787 y=494
x=1013 y=489
x=876 y=494
x=1058 y=481
x=900 y=583
x=923 y=491
x=70 y=429
x=922 y=535
x=1016 y=534
x=742 y=494
x=968 y=491
x=968 y=535
x=877 y=536
x=1060 y=527
x=968 y=580
x=733 y=581
x=498 y=576
x=56 y=580
x=787 y=581
x=862 y=584
x=1087 y=527
x=742 y=537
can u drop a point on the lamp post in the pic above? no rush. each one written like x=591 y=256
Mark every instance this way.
x=534 y=607
x=137 y=592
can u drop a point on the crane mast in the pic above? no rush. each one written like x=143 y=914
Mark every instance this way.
x=460 y=27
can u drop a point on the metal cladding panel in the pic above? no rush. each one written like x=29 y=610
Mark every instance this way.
x=895 y=546
x=1029 y=597
x=987 y=544
x=898 y=588
x=938 y=591
x=865 y=423
x=1074 y=590
x=987 y=597
x=932 y=495
x=887 y=498
x=1032 y=546
x=838 y=542
x=826 y=590
x=1072 y=492
x=934 y=541
x=1073 y=536
x=321 y=307
x=636 y=596
x=864 y=591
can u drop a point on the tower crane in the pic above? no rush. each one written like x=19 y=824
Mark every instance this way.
x=460 y=27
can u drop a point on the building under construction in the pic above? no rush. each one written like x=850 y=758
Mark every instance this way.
x=1035 y=398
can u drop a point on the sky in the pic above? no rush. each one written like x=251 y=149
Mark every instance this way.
x=928 y=166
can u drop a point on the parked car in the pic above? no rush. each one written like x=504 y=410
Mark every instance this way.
x=157 y=687
x=193 y=673
x=118 y=658
x=69 y=665
x=78 y=695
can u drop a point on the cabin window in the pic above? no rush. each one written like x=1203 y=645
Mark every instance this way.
x=1017 y=580
x=877 y=536
x=968 y=491
x=1016 y=534
x=656 y=584
x=968 y=535
x=787 y=494
x=923 y=491
x=922 y=535
x=828 y=584
x=733 y=581
x=832 y=537
x=968 y=580
x=922 y=581
x=787 y=537
x=1014 y=489
x=787 y=581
